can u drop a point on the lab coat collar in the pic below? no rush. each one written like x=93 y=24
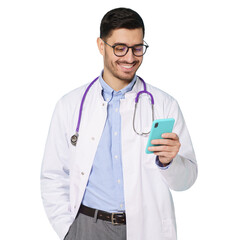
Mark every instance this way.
x=106 y=88
x=138 y=86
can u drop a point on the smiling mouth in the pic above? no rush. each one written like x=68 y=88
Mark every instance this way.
x=127 y=66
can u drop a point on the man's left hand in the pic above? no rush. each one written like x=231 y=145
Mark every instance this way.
x=168 y=149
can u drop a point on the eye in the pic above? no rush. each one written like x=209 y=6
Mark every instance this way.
x=138 y=48
x=120 y=48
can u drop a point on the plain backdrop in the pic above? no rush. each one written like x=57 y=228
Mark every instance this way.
x=48 y=48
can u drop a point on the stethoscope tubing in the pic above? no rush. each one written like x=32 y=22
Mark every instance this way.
x=82 y=102
x=144 y=91
x=74 y=138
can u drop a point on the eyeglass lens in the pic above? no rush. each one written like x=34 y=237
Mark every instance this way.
x=121 y=50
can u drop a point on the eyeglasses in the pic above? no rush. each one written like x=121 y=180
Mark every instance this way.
x=121 y=50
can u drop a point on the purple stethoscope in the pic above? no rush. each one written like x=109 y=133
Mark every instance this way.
x=74 y=138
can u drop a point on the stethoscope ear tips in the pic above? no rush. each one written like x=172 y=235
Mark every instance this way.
x=74 y=139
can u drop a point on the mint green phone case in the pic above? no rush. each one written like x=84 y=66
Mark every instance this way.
x=159 y=127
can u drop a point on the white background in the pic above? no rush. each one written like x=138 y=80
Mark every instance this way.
x=48 y=48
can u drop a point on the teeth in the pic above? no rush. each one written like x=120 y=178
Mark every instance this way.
x=128 y=66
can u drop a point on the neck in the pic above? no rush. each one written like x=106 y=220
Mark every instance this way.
x=114 y=82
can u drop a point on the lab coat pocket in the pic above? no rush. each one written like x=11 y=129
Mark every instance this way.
x=72 y=232
x=168 y=229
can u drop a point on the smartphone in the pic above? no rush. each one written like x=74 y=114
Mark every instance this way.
x=159 y=127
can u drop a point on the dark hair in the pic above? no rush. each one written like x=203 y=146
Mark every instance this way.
x=120 y=18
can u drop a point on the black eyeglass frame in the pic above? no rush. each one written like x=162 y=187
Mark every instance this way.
x=132 y=47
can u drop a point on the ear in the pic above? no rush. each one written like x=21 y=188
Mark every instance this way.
x=100 y=44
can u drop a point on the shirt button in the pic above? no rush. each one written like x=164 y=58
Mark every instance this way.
x=116 y=109
x=118 y=180
x=121 y=205
x=115 y=133
x=116 y=156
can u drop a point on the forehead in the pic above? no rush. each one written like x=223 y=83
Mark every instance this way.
x=127 y=36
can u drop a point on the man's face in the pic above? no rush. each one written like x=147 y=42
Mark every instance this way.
x=122 y=68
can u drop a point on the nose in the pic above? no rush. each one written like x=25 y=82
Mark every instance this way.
x=129 y=57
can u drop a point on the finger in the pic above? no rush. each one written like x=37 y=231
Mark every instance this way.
x=168 y=155
x=161 y=149
x=168 y=142
x=173 y=136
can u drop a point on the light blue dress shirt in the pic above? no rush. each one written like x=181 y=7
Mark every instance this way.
x=104 y=189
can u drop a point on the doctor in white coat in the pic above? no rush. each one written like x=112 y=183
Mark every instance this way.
x=67 y=175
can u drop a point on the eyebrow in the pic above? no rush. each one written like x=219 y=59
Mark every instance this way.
x=120 y=43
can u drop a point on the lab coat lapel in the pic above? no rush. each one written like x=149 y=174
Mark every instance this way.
x=92 y=124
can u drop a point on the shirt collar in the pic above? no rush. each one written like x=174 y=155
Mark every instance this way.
x=109 y=90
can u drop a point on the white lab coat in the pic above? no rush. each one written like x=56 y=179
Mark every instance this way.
x=65 y=169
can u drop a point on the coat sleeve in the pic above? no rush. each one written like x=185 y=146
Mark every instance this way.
x=55 y=173
x=182 y=172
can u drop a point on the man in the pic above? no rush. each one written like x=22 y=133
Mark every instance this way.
x=100 y=184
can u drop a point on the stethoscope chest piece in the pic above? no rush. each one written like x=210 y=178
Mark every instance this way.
x=74 y=139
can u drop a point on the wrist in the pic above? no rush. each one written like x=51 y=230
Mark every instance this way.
x=163 y=164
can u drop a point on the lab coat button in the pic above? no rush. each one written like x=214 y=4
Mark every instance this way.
x=82 y=173
x=93 y=138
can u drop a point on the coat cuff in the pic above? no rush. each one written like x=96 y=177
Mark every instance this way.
x=161 y=165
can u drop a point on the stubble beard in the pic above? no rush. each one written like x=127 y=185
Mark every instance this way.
x=112 y=67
